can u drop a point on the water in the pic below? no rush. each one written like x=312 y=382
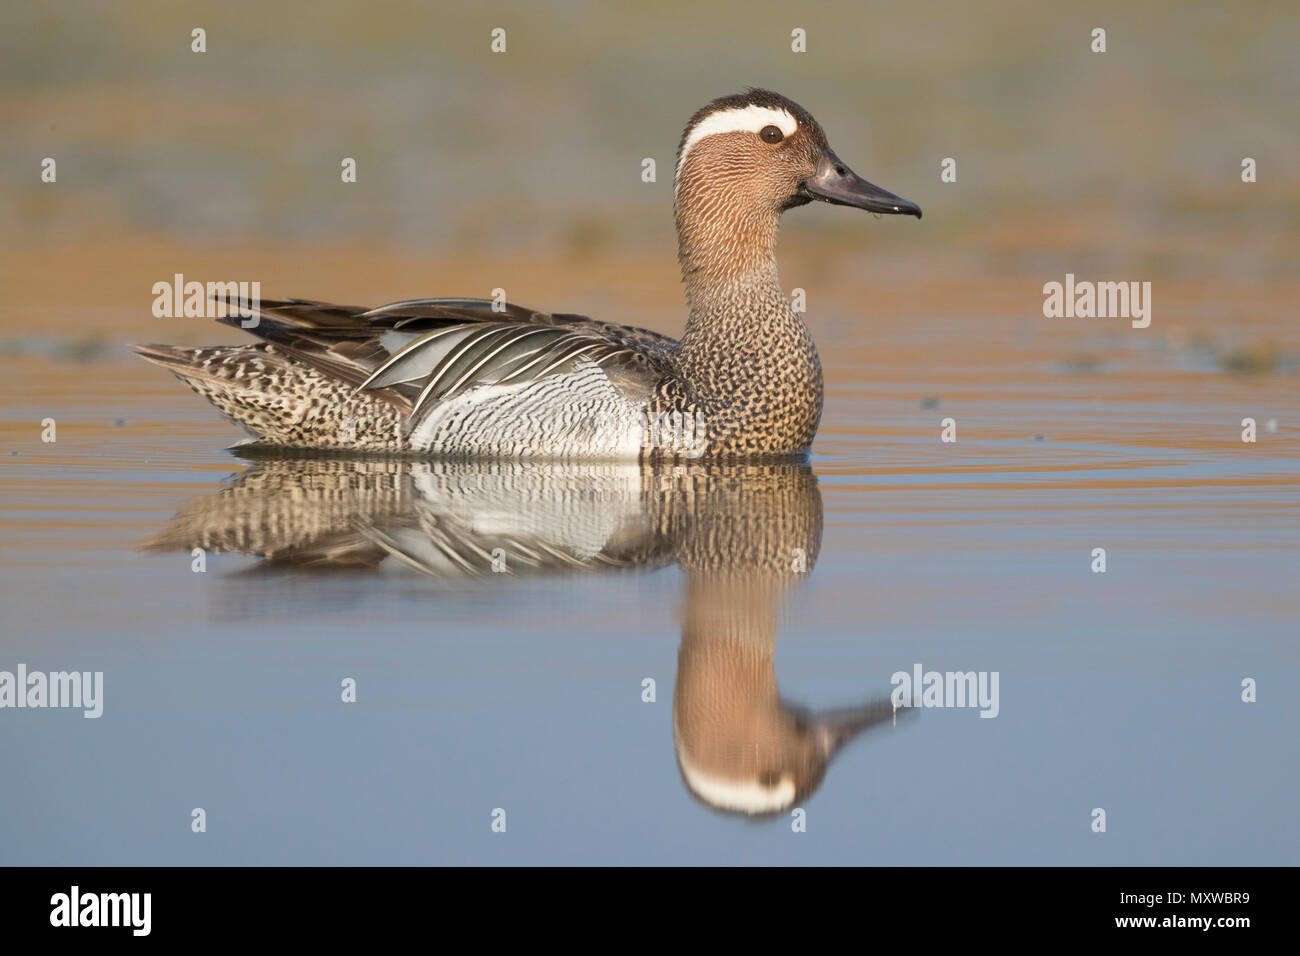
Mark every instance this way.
x=523 y=691
x=770 y=605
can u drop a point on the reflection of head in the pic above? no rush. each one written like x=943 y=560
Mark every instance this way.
x=740 y=747
x=778 y=772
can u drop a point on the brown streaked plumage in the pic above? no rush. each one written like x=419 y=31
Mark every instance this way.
x=460 y=377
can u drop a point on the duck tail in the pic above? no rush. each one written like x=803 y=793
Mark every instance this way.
x=278 y=400
x=224 y=375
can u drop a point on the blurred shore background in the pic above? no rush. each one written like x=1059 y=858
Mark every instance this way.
x=522 y=170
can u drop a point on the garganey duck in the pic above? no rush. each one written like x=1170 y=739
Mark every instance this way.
x=467 y=377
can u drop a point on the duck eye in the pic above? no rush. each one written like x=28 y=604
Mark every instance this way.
x=771 y=134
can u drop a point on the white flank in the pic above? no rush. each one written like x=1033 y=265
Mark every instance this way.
x=748 y=119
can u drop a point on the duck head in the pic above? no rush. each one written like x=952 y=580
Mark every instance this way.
x=771 y=155
x=745 y=159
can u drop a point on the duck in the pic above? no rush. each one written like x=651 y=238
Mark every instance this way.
x=465 y=377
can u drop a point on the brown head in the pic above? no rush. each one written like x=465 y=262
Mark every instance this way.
x=740 y=747
x=742 y=161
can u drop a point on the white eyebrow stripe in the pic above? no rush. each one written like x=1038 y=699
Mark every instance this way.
x=749 y=119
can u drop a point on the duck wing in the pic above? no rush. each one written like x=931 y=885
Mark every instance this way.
x=417 y=353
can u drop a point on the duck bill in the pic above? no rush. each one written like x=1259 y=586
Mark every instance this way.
x=835 y=183
x=837 y=728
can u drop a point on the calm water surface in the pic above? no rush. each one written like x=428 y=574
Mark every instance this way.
x=770 y=606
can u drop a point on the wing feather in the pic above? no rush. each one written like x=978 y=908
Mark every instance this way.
x=457 y=344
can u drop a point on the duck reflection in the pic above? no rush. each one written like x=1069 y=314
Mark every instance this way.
x=743 y=534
